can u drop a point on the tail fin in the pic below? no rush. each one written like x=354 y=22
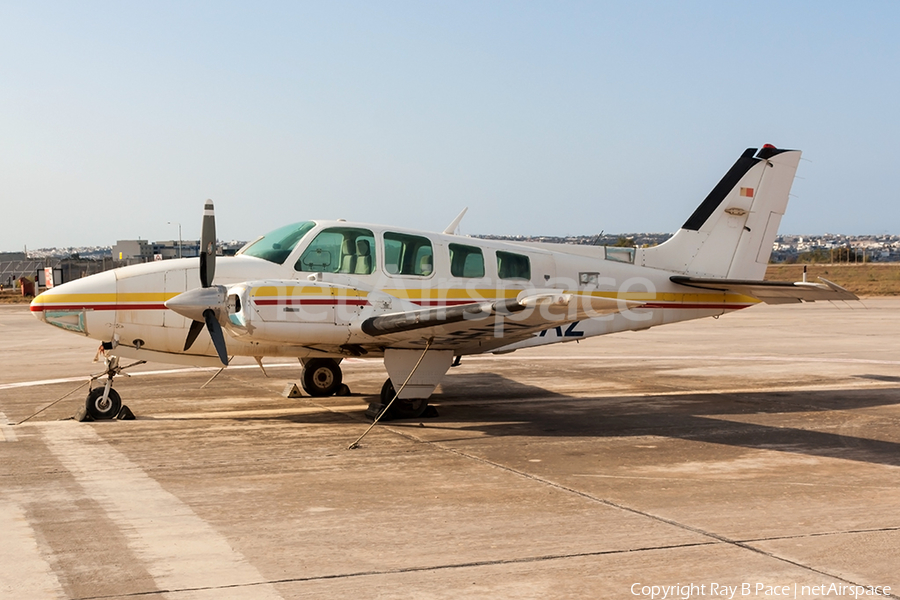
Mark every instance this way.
x=732 y=231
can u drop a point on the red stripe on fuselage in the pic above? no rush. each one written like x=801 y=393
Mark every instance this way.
x=43 y=307
x=311 y=302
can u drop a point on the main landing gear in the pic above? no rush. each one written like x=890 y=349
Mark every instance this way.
x=322 y=377
x=411 y=408
x=417 y=373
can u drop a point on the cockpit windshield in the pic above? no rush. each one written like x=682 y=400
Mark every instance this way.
x=276 y=246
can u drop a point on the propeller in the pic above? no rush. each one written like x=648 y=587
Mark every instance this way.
x=202 y=304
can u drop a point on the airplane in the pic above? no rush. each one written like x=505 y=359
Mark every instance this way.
x=324 y=290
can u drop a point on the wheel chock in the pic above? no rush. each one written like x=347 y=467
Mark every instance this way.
x=291 y=391
x=374 y=410
x=125 y=414
x=344 y=390
x=81 y=415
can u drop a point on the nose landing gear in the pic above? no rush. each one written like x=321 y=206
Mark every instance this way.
x=103 y=402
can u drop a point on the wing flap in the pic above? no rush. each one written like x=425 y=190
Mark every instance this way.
x=772 y=292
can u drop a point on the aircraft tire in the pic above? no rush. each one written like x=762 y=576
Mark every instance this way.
x=321 y=377
x=412 y=408
x=100 y=410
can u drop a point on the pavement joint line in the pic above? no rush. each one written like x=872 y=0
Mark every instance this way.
x=715 y=536
x=404 y=570
x=821 y=534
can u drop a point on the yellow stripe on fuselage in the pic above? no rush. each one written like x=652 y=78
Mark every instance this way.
x=103 y=298
x=74 y=298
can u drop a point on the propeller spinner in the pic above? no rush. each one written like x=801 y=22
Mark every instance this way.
x=202 y=304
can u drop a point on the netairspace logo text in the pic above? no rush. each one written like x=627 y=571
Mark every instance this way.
x=750 y=590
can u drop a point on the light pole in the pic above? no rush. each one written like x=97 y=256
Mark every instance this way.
x=179 y=236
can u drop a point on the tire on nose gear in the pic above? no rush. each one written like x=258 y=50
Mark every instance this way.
x=100 y=409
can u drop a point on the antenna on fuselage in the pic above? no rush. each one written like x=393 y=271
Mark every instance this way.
x=451 y=228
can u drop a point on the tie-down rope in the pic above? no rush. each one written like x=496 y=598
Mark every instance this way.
x=355 y=444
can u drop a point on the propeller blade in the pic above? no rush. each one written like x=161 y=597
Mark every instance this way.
x=208 y=245
x=193 y=332
x=215 y=332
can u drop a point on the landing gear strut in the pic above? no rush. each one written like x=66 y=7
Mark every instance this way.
x=321 y=377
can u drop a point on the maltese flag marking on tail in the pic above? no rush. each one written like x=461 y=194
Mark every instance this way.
x=747 y=192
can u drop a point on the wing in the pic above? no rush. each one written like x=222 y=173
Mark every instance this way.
x=482 y=326
x=772 y=292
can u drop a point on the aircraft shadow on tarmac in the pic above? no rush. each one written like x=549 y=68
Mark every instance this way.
x=498 y=406
x=698 y=416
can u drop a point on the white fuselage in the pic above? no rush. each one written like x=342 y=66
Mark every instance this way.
x=312 y=302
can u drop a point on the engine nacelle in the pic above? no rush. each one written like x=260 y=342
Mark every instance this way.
x=293 y=312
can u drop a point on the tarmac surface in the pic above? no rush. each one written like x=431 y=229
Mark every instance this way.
x=757 y=456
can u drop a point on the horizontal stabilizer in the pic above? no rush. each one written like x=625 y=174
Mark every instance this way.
x=772 y=292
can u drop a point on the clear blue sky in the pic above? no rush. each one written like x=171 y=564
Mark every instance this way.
x=541 y=117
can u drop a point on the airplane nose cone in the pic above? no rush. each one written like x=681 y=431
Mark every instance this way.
x=86 y=306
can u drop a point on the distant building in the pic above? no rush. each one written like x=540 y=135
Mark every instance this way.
x=170 y=248
x=135 y=251
x=130 y=250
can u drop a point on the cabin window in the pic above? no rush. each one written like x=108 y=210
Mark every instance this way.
x=466 y=261
x=277 y=245
x=339 y=250
x=619 y=254
x=513 y=266
x=408 y=255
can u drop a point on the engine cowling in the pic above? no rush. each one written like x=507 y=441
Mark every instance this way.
x=293 y=312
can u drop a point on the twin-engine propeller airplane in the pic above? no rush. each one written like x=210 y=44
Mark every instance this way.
x=324 y=290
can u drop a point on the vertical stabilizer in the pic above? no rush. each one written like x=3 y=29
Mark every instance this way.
x=731 y=233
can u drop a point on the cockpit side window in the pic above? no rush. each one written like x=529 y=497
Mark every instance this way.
x=339 y=250
x=408 y=255
x=277 y=245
